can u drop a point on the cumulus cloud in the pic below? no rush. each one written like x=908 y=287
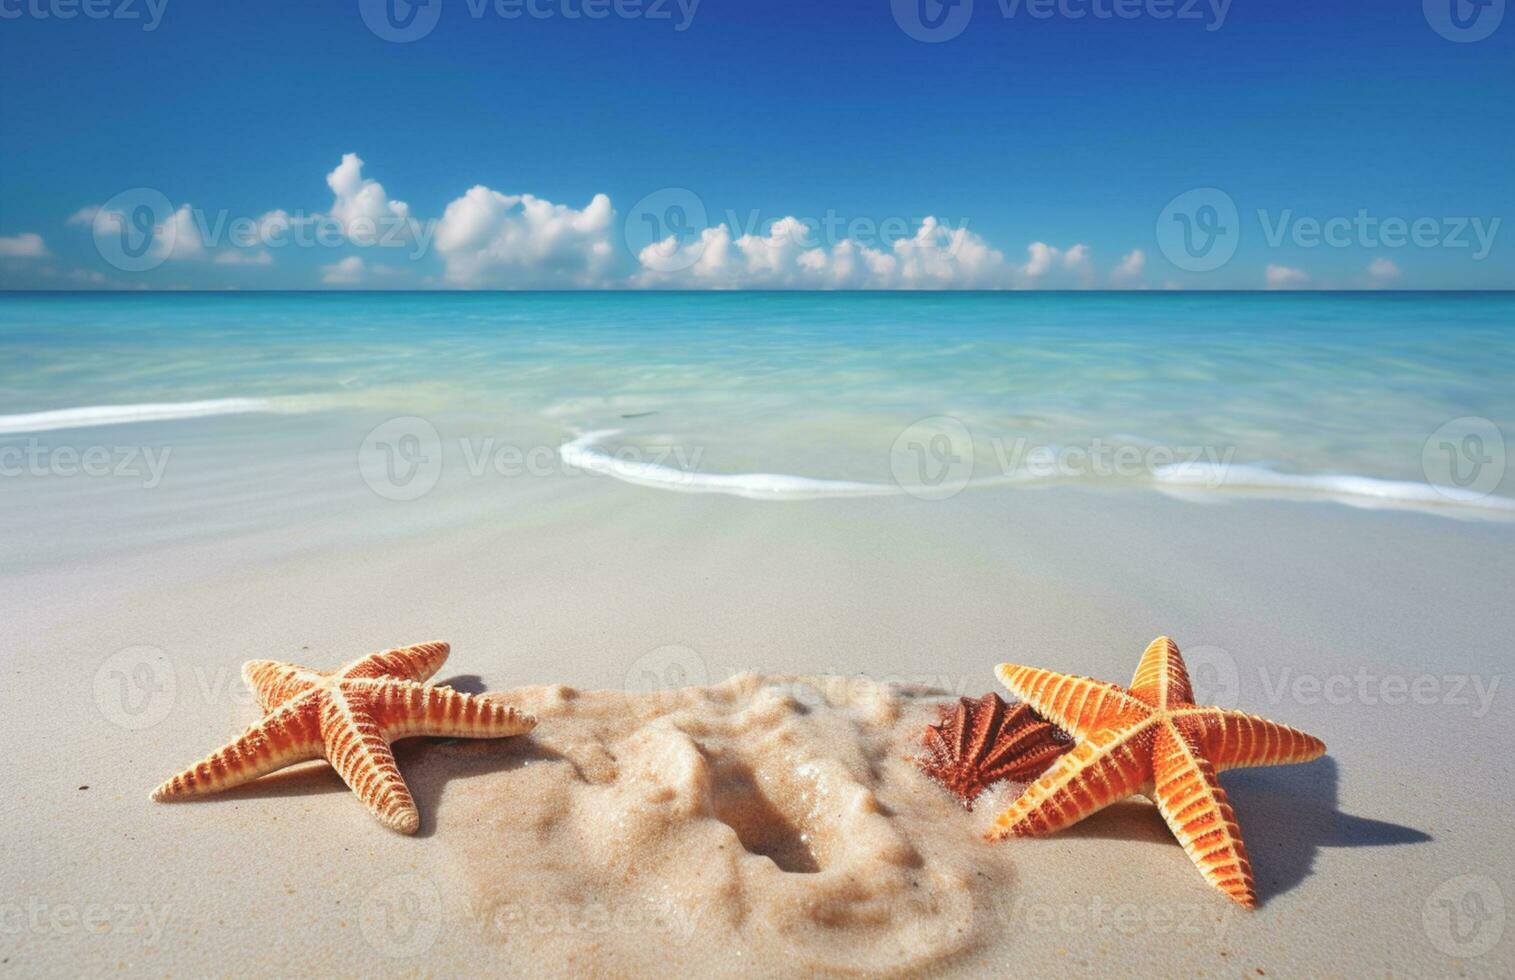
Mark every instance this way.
x=177 y=237
x=1286 y=277
x=1383 y=271
x=1049 y=266
x=348 y=272
x=27 y=245
x=486 y=238
x=934 y=257
x=1128 y=272
x=364 y=212
x=244 y=257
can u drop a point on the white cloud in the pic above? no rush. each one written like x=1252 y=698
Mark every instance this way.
x=934 y=257
x=179 y=236
x=84 y=216
x=347 y=272
x=1286 y=277
x=1049 y=267
x=487 y=238
x=1128 y=271
x=1383 y=271
x=239 y=256
x=27 y=245
x=361 y=208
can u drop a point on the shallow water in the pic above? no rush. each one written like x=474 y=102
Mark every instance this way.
x=1383 y=399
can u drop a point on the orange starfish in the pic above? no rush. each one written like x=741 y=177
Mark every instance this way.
x=349 y=717
x=1151 y=739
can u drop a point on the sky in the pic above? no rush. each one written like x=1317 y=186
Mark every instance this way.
x=464 y=144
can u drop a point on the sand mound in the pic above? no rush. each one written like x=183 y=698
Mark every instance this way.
x=769 y=824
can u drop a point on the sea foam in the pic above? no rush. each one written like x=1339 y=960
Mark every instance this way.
x=1354 y=491
x=95 y=415
x=585 y=454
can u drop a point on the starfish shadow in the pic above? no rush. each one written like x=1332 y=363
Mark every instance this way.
x=464 y=683
x=1287 y=814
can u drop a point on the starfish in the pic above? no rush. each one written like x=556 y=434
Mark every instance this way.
x=1154 y=740
x=349 y=716
x=979 y=742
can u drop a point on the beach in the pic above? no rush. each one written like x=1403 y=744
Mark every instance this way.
x=730 y=680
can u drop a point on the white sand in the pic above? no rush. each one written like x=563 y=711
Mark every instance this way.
x=601 y=846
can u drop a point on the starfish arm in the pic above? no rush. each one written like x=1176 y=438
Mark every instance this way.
x=1078 y=705
x=1234 y=739
x=1161 y=677
x=284 y=738
x=356 y=748
x=412 y=663
x=273 y=682
x=1191 y=800
x=1100 y=770
x=405 y=710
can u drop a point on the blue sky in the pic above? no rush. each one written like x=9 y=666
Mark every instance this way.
x=1321 y=144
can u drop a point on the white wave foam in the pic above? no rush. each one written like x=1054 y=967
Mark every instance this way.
x=583 y=453
x=1354 y=491
x=90 y=416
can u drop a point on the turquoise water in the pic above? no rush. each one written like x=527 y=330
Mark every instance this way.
x=827 y=387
